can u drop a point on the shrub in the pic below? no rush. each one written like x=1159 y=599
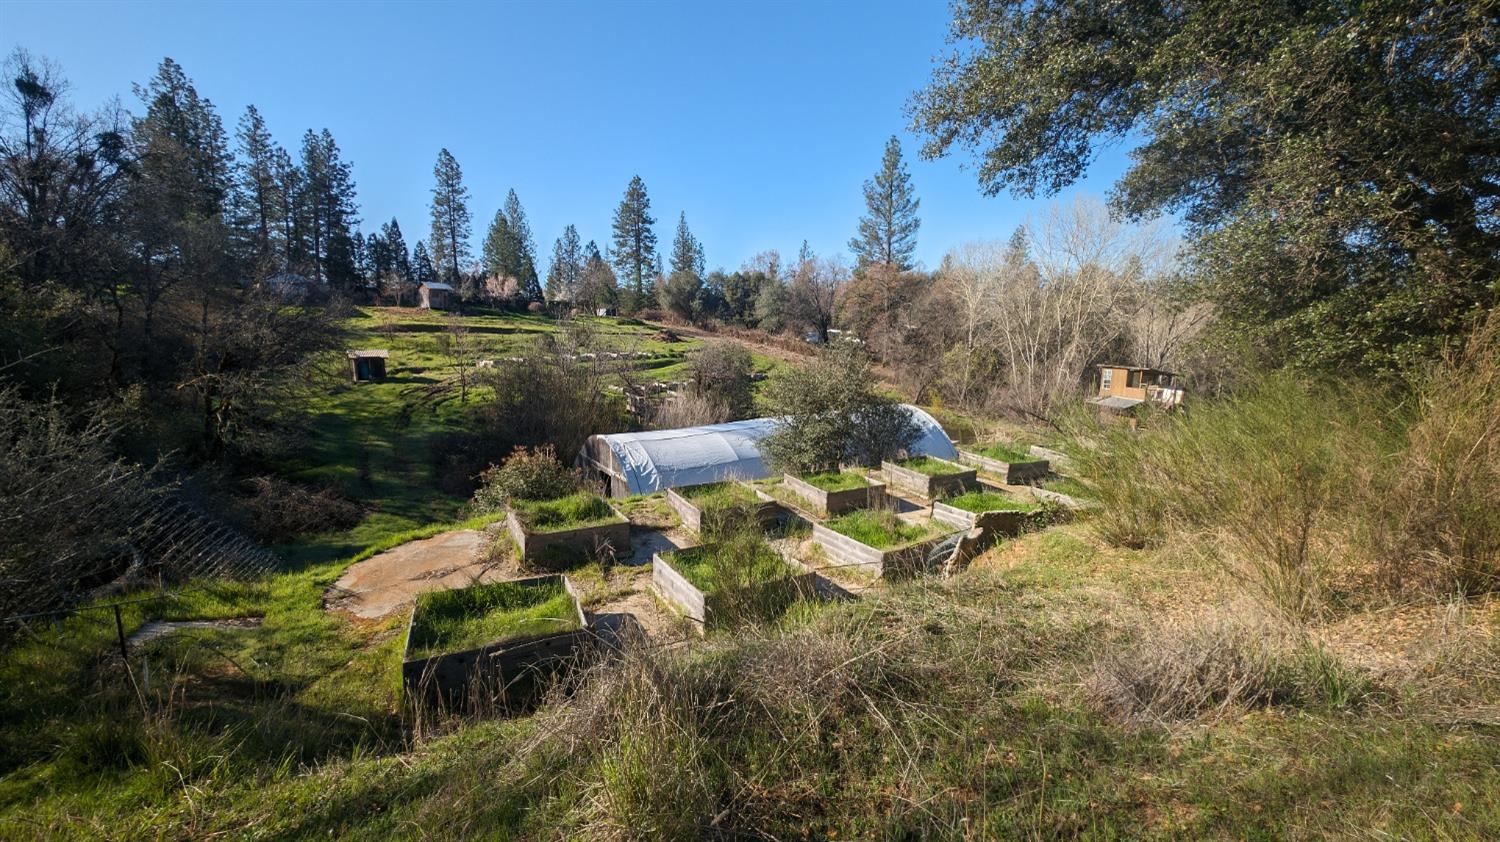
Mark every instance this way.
x=536 y=307
x=833 y=415
x=527 y=474
x=722 y=374
x=277 y=511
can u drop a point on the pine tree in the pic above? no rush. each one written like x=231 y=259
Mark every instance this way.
x=289 y=184
x=395 y=246
x=497 y=253
x=597 y=287
x=450 y=218
x=687 y=252
x=422 y=271
x=327 y=204
x=566 y=272
x=634 y=240
x=258 y=198
x=523 y=247
x=185 y=151
x=888 y=230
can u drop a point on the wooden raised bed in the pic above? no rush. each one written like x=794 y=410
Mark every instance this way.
x=767 y=511
x=1066 y=501
x=1013 y=473
x=708 y=608
x=507 y=667
x=835 y=502
x=560 y=548
x=1000 y=522
x=916 y=482
x=1053 y=457
x=894 y=562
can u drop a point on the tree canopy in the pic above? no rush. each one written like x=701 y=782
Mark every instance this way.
x=1337 y=165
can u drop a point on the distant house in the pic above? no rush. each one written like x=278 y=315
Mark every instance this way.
x=1124 y=387
x=435 y=296
x=367 y=366
x=290 y=286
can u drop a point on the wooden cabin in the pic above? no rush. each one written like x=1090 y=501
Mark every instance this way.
x=1124 y=387
x=367 y=366
x=434 y=296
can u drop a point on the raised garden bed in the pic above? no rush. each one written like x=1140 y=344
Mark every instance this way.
x=553 y=534
x=996 y=513
x=928 y=477
x=761 y=583
x=835 y=492
x=705 y=508
x=1066 y=492
x=878 y=543
x=496 y=639
x=1011 y=464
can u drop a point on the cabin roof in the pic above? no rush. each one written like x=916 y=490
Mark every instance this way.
x=436 y=285
x=1135 y=368
x=376 y=353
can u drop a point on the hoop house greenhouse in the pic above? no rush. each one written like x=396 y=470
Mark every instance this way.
x=653 y=460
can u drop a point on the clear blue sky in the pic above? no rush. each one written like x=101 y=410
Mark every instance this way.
x=760 y=120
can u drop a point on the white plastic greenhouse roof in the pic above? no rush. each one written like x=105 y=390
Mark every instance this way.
x=658 y=459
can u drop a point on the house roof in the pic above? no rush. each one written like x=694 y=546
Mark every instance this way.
x=436 y=285
x=379 y=353
x=1135 y=368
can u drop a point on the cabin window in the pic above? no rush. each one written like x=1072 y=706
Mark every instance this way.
x=1133 y=380
x=1106 y=378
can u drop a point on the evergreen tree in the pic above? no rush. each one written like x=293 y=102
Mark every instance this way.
x=566 y=272
x=498 y=246
x=450 y=218
x=258 y=197
x=597 y=287
x=687 y=252
x=395 y=246
x=634 y=240
x=888 y=230
x=422 y=270
x=184 y=149
x=289 y=184
x=523 y=246
x=328 y=207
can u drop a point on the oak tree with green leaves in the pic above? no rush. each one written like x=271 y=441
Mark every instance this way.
x=1336 y=164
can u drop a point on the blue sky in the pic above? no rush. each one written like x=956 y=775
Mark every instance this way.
x=759 y=120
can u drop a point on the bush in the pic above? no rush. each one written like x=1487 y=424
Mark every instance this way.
x=536 y=307
x=721 y=372
x=527 y=474
x=276 y=511
x=833 y=415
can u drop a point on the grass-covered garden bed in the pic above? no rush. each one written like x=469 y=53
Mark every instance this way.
x=877 y=541
x=929 y=477
x=487 y=638
x=738 y=579
x=1012 y=463
x=833 y=492
x=994 y=511
x=555 y=533
x=712 y=507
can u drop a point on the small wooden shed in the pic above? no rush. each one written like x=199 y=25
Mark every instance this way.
x=435 y=296
x=367 y=366
x=1124 y=387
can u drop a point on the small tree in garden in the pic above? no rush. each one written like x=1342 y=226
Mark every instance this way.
x=722 y=372
x=527 y=474
x=833 y=415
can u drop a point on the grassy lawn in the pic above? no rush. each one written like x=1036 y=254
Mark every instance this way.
x=708 y=566
x=932 y=467
x=453 y=620
x=836 y=480
x=980 y=502
x=881 y=529
x=1008 y=453
x=575 y=511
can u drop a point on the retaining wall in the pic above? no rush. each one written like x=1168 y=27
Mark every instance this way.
x=1014 y=473
x=835 y=502
x=906 y=479
x=556 y=550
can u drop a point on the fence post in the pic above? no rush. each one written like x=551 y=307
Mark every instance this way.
x=125 y=661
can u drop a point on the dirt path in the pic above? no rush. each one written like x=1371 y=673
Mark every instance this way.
x=391 y=580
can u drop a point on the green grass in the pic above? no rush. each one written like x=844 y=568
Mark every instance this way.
x=1069 y=486
x=719 y=495
x=932 y=467
x=707 y=566
x=836 y=480
x=1007 y=453
x=454 y=620
x=881 y=529
x=576 y=511
x=989 y=501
